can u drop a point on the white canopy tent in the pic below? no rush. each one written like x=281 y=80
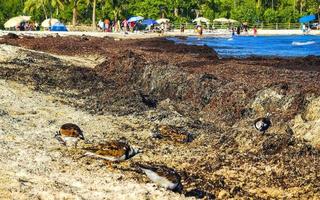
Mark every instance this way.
x=16 y=21
x=225 y=20
x=201 y=19
x=46 y=23
x=162 y=20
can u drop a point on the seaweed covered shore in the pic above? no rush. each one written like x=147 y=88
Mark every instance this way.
x=98 y=83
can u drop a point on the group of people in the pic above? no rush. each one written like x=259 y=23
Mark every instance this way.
x=109 y=26
x=28 y=26
x=305 y=29
x=243 y=28
x=125 y=26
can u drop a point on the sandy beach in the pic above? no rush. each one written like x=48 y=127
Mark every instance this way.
x=95 y=82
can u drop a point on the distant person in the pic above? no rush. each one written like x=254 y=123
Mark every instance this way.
x=182 y=28
x=308 y=29
x=200 y=30
x=245 y=28
x=131 y=26
x=255 y=31
x=22 y=26
x=101 y=25
x=37 y=27
x=166 y=26
x=304 y=29
x=238 y=30
x=125 y=25
x=162 y=27
x=106 y=25
x=233 y=32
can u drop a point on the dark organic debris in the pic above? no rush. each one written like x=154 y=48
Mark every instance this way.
x=150 y=102
x=275 y=143
x=210 y=96
x=11 y=36
x=199 y=194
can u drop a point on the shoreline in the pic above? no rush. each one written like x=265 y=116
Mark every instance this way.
x=141 y=35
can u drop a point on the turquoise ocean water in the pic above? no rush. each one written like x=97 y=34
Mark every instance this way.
x=246 y=46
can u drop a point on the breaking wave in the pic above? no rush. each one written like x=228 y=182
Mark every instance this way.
x=302 y=43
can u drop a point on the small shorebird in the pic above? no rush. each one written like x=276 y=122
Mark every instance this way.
x=263 y=123
x=69 y=133
x=171 y=133
x=112 y=151
x=163 y=176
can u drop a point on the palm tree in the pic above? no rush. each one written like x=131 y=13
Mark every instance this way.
x=45 y=5
x=117 y=6
x=94 y=11
x=74 y=5
x=302 y=5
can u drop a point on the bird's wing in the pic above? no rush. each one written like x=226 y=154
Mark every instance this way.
x=112 y=149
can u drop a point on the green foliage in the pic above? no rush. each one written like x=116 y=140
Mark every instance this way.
x=267 y=11
x=48 y=8
x=10 y=8
x=270 y=16
x=245 y=12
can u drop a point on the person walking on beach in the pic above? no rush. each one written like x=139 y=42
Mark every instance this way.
x=245 y=28
x=182 y=28
x=162 y=27
x=200 y=30
x=255 y=31
x=106 y=25
x=101 y=25
x=238 y=30
x=125 y=25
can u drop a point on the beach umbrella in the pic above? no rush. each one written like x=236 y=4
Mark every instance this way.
x=134 y=19
x=201 y=19
x=221 y=20
x=45 y=23
x=16 y=21
x=308 y=18
x=233 y=21
x=149 y=22
x=58 y=27
x=162 y=20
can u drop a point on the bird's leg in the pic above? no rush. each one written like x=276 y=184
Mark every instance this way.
x=124 y=165
x=109 y=165
x=60 y=140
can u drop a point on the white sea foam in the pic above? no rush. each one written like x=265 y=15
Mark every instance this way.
x=302 y=43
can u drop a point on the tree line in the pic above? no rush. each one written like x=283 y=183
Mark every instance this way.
x=89 y=11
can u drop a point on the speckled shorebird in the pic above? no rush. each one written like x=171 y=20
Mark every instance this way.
x=263 y=123
x=69 y=133
x=171 y=133
x=112 y=151
x=163 y=176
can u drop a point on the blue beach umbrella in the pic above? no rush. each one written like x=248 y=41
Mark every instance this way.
x=134 y=19
x=149 y=22
x=308 y=18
